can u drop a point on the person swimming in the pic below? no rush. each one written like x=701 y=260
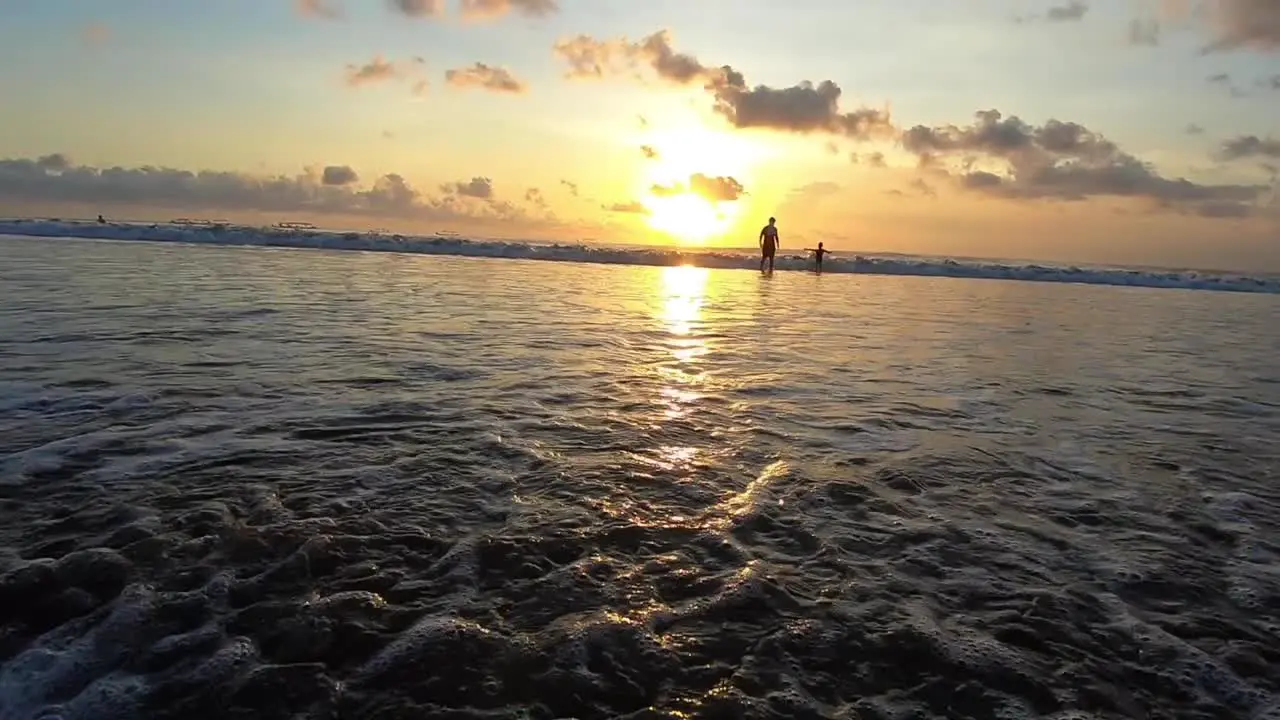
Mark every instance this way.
x=768 y=243
x=818 y=253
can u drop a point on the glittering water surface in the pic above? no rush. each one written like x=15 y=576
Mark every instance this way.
x=299 y=484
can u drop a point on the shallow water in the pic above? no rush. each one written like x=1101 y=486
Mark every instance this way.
x=240 y=482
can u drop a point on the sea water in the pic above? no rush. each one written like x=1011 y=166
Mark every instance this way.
x=265 y=482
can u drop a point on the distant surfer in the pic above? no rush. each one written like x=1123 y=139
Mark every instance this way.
x=818 y=253
x=768 y=243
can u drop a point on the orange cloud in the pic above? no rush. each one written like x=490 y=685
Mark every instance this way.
x=381 y=70
x=95 y=34
x=488 y=9
x=485 y=77
x=630 y=208
x=317 y=9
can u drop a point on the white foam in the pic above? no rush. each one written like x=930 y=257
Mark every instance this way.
x=228 y=234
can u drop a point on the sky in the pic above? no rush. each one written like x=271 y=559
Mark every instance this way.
x=1132 y=132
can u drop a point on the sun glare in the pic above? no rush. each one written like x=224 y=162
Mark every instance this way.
x=687 y=217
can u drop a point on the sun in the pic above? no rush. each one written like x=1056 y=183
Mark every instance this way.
x=679 y=151
x=688 y=217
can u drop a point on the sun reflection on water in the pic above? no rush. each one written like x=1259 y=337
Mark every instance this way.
x=682 y=290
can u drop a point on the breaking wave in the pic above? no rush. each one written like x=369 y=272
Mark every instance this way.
x=302 y=235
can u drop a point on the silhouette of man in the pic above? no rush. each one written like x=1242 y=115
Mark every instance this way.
x=768 y=243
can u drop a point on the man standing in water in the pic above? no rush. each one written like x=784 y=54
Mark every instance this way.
x=768 y=243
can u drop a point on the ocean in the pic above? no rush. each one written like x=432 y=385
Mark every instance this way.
x=244 y=480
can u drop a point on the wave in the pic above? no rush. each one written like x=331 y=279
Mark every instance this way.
x=296 y=235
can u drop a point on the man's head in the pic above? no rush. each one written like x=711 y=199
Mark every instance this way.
x=772 y=220
x=819 y=246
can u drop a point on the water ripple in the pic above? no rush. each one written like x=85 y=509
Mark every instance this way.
x=239 y=482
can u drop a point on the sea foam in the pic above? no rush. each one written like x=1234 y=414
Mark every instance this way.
x=295 y=235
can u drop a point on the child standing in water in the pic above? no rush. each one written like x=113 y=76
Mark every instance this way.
x=818 y=252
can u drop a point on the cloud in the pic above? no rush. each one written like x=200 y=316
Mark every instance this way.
x=1238 y=24
x=649 y=152
x=380 y=70
x=1073 y=11
x=874 y=159
x=1144 y=32
x=1062 y=161
x=821 y=188
x=714 y=189
x=488 y=9
x=632 y=207
x=95 y=34
x=918 y=185
x=803 y=108
x=1194 y=129
x=534 y=197
x=477 y=187
x=418 y=8
x=339 y=175
x=317 y=9
x=572 y=187
x=55 y=179
x=1246 y=147
x=485 y=77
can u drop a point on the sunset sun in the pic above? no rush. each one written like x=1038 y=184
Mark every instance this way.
x=688 y=217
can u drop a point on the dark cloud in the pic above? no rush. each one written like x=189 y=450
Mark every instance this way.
x=534 y=197
x=1249 y=147
x=1062 y=161
x=1238 y=24
x=1193 y=129
x=55 y=179
x=485 y=77
x=649 y=152
x=339 y=175
x=572 y=187
x=488 y=9
x=476 y=187
x=802 y=108
x=418 y=8
x=1144 y=32
x=1073 y=11
x=714 y=189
